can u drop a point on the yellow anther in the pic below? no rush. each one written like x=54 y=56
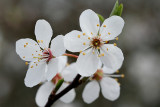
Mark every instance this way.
x=24 y=45
x=84 y=34
x=36 y=64
x=97 y=24
x=80 y=51
x=26 y=63
x=99 y=34
x=107 y=41
x=38 y=60
x=107 y=49
x=104 y=25
x=41 y=41
x=84 y=53
x=98 y=48
x=89 y=38
x=109 y=33
x=79 y=36
x=119 y=83
x=32 y=54
x=102 y=54
x=99 y=55
x=116 y=79
x=84 y=43
x=40 y=50
x=117 y=71
x=38 y=41
x=39 y=54
x=93 y=52
x=24 y=57
x=115 y=44
x=116 y=38
x=122 y=75
x=35 y=44
x=91 y=33
x=32 y=66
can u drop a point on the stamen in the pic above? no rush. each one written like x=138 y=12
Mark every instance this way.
x=35 y=44
x=24 y=45
x=116 y=79
x=26 y=63
x=91 y=33
x=99 y=55
x=36 y=64
x=117 y=71
x=32 y=54
x=41 y=41
x=98 y=48
x=109 y=33
x=107 y=41
x=32 y=66
x=104 y=25
x=89 y=38
x=38 y=41
x=117 y=38
x=84 y=43
x=102 y=54
x=79 y=36
x=80 y=51
x=84 y=53
x=107 y=49
x=24 y=57
x=84 y=34
x=97 y=24
x=122 y=75
x=99 y=34
x=115 y=44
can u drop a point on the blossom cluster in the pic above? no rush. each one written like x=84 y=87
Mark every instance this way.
x=98 y=59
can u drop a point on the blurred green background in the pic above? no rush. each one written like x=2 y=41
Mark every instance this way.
x=140 y=42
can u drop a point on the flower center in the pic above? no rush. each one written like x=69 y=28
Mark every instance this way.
x=98 y=75
x=96 y=42
x=56 y=78
x=47 y=54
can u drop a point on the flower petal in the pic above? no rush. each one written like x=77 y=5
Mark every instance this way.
x=52 y=69
x=89 y=22
x=43 y=93
x=91 y=92
x=35 y=73
x=111 y=27
x=62 y=61
x=87 y=64
x=43 y=32
x=70 y=72
x=68 y=97
x=110 y=88
x=74 y=41
x=108 y=70
x=27 y=49
x=113 y=57
x=57 y=46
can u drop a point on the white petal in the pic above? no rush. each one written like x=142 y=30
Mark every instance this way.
x=74 y=41
x=70 y=72
x=52 y=68
x=114 y=26
x=57 y=46
x=27 y=49
x=35 y=74
x=108 y=70
x=110 y=88
x=91 y=92
x=99 y=65
x=87 y=64
x=62 y=61
x=43 y=93
x=68 y=97
x=113 y=57
x=43 y=31
x=88 y=22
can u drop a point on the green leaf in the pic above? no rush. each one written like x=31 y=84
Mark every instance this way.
x=117 y=9
x=58 y=85
x=101 y=18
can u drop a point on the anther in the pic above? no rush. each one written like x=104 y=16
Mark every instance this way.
x=26 y=63
x=24 y=45
x=38 y=41
x=122 y=75
x=80 y=51
x=32 y=54
x=91 y=33
x=109 y=33
x=102 y=54
x=93 y=52
x=99 y=34
x=41 y=41
x=32 y=66
x=97 y=47
x=84 y=34
x=24 y=57
x=117 y=71
x=35 y=44
x=99 y=55
x=107 y=49
x=84 y=43
x=36 y=64
x=115 y=44
x=79 y=36
x=116 y=38
x=104 y=25
x=97 y=24
x=116 y=79
x=84 y=53
x=89 y=38
x=107 y=41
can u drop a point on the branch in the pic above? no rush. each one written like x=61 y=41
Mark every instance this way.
x=52 y=98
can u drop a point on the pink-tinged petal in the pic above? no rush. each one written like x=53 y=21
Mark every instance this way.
x=75 y=41
x=27 y=49
x=68 y=97
x=111 y=27
x=35 y=73
x=43 y=32
x=89 y=22
x=91 y=92
x=57 y=46
x=43 y=93
x=110 y=88
x=70 y=72
x=113 y=57
x=52 y=68
x=87 y=63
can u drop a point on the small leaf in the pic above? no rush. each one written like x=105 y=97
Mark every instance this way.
x=117 y=9
x=58 y=85
x=101 y=18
